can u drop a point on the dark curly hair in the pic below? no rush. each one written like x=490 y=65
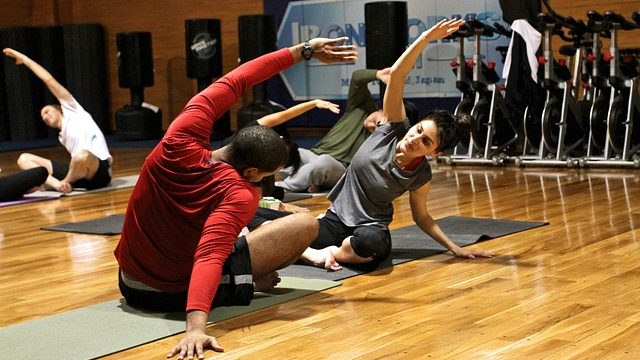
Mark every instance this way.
x=451 y=128
x=260 y=147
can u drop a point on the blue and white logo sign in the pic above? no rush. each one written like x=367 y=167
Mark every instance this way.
x=432 y=75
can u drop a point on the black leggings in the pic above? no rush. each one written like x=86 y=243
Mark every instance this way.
x=13 y=186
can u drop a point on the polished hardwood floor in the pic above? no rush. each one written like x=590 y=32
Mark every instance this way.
x=569 y=290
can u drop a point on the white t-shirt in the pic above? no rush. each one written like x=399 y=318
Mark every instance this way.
x=79 y=131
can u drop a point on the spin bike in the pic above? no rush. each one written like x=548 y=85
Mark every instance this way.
x=562 y=116
x=622 y=137
x=491 y=134
x=463 y=69
x=599 y=87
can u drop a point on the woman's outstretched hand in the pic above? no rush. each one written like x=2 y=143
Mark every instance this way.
x=443 y=29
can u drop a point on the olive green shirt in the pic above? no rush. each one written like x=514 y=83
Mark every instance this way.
x=346 y=136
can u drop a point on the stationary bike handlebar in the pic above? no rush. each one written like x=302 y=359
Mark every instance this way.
x=615 y=18
x=502 y=30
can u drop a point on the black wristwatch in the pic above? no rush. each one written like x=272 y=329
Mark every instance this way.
x=307 y=51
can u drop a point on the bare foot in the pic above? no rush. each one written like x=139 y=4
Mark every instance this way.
x=267 y=282
x=323 y=258
x=65 y=187
x=314 y=188
x=292 y=208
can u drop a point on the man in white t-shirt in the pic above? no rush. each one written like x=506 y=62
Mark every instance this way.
x=90 y=165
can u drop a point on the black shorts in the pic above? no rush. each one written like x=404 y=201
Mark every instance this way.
x=235 y=288
x=101 y=178
x=333 y=231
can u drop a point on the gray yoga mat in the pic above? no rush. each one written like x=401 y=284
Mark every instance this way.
x=110 y=225
x=289 y=196
x=116 y=183
x=410 y=243
x=113 y=326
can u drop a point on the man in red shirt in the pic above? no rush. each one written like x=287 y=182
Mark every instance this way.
x=179 y=248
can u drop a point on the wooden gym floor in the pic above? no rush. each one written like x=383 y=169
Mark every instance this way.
x=569 y=290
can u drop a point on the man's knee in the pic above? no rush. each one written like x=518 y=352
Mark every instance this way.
x=85 y=164
x=370 y=241
x=24 y=160
x=84 y=158
x=307 y=222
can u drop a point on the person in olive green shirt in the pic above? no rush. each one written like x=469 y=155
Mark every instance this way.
x=323 y=165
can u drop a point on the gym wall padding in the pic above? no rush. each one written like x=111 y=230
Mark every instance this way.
x=4 y=116
x=50 y=55
x=86 y=70
x=23 y=94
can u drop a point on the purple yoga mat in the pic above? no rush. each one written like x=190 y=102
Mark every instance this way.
x=28 y=199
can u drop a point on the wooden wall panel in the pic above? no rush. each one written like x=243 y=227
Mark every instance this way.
x=15 y=13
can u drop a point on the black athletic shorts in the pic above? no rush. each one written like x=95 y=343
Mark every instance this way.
x=235 y=288
x=101 y=179
x=332 y=232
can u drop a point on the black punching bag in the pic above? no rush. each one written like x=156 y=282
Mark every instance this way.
x=135 y=72
x=203 y=46
x=386 y=33
x=257 y=36
x=203 y=49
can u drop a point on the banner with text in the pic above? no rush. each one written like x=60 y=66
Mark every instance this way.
x=432 y=75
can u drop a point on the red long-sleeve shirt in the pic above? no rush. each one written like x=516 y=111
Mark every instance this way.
x=186 y=210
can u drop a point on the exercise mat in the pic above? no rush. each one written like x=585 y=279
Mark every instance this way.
x=113 y=326
x=410 y=243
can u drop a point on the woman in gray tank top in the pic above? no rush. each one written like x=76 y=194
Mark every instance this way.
x=389 y=163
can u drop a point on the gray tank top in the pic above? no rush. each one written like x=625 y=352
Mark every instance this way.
x=365 y=193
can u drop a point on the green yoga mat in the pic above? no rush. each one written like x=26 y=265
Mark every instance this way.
x=410 y=243
x=110 y=327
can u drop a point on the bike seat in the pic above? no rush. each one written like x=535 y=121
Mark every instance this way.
x=596 y=22
x=546 y=19
x=593 y=15
x=464 y=31
x=577 y=27
x=480 y=28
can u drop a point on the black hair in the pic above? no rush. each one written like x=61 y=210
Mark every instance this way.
x=451 y=128
x=258 y=146
x=294 y=156
x=412 y=112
